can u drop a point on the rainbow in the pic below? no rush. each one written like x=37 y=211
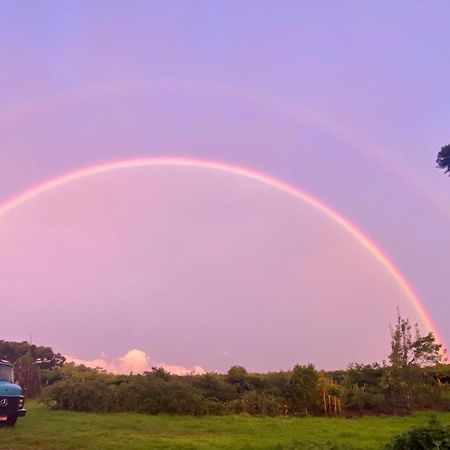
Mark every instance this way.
x=296 y=112
x=335 y=216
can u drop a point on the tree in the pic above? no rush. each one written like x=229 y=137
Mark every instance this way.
x=409 y=354
x=215 y=387
x=303 y=389
x=238 y=377
x=443 y=159
x=362 y=383
x=44 y=357
x=330 y=394
x=407 y=351
x=26 y=372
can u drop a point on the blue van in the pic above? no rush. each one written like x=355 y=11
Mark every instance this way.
x=11 y=398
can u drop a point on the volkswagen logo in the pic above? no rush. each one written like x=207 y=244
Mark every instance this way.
x=4 y=402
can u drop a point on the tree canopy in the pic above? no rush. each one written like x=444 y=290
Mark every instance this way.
x=443 y=159
x=410 y=354
x=43 y=356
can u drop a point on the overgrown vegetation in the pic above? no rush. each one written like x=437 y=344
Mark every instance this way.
x=415 y=378
x=433 y=436
x=302 y=391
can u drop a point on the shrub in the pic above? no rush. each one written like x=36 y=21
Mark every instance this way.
x=259 y=404
x=433 y=436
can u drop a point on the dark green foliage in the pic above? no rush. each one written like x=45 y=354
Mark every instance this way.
x=50 y=376
x=44 y=357
x=443 y=159
x=363 y=375
x=363 y=398
x=150 y=393
x=433 y=436
x=238 y=377
x=215 y=387
x=26 y=372
x=302 y=390
x=260 y=404
x=362 y=386
x=298 y=392
x=404 y=379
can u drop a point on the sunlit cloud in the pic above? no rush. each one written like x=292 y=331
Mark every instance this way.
x=134 y=361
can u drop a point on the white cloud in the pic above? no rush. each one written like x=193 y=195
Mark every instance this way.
x=136 y=361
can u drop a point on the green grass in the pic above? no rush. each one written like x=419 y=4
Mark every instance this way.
x=46 y=429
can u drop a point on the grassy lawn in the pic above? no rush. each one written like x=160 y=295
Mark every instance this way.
x=45 y=429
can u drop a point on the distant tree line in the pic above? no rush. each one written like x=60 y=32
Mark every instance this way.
x=28 y=360
x=44 y=357
x=416 y=377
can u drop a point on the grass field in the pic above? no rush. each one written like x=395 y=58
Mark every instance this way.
x=45 y=429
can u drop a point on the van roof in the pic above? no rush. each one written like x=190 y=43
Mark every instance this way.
x=5 y=363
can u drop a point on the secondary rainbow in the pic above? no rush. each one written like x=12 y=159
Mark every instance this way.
x=293 y=110
x=340 y=220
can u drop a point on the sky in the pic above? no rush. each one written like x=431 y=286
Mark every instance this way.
x=347 y=101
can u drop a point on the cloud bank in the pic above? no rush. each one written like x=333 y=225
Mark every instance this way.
x=135 y=361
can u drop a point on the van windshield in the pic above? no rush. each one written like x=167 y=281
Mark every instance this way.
x=6 y=373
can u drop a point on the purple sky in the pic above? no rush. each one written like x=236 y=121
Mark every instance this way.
x=348 y=101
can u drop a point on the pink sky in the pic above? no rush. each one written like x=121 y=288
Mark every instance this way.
x=194 y=267
x=346 y=100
